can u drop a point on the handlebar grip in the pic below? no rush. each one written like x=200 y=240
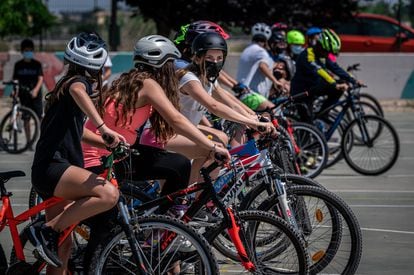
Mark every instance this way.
x=108 y=139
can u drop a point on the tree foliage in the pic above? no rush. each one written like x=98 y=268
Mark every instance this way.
x=169 y=15
x=24 y=17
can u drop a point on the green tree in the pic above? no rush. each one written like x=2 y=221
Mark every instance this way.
x=24 y=17
x=169 y=15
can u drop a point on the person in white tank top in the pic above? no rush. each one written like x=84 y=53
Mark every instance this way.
x=200 y=92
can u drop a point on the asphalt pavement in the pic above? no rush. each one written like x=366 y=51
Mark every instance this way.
x=384 y=205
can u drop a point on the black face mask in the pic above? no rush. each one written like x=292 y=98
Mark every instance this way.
x=213 y=70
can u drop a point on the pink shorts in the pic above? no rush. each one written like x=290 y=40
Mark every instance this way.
x=148 y=138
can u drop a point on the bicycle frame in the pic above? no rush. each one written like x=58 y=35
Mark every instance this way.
x=345 y=104
x=7 y=218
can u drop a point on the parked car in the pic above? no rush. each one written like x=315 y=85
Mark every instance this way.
x=374 y=33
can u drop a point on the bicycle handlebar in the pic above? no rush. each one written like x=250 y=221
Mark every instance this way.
x=11 y=82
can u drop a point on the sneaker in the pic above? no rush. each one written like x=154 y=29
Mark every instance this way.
x=45 y=239
x=206 y=217
x=177 y=211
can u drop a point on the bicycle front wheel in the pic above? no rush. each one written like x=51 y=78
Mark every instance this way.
x=19 y=130
x=272 y=245
x=167 y=246
x=329 y=227
x=370 y=145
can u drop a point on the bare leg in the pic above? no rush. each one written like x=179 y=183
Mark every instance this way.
x=91 y=195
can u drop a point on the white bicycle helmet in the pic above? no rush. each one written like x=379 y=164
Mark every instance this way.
x=261 y=29
x=87 y=50
x=155 y=50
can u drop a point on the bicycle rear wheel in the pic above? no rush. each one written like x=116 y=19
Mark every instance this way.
x=370 y=145
x=185 y=251
x=373 y=102
x=19 y=130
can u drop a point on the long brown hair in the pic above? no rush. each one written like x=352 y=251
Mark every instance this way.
x=73 y=72
x=125 y=91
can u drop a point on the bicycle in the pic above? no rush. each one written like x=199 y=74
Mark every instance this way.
x=20 y=127
x=325 y=222
x=362 y=130
x=127 y=234
x=243 y=230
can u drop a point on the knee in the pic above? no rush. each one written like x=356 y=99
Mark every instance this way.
x=110 y=195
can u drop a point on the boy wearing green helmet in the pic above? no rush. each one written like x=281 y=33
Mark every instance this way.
x=296 y=43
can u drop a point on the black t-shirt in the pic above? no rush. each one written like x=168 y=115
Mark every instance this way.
x=62 y=130
x=27 y=73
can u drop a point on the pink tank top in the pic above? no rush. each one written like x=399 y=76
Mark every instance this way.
x=93 y=154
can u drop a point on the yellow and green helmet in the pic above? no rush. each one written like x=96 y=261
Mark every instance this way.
x=330 y=41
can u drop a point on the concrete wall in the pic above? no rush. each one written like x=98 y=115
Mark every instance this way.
x=388 y=76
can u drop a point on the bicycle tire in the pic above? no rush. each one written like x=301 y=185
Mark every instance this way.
x=10 y=136
x=100 y=262
x=259 y=193
x=312 y=144
x=3 y=261
x=365 y=97
x=34 y=199
x=290 y=257
x=282 y=156
x=355 y=159
x=350 y=233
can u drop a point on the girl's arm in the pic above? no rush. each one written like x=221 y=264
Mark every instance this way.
x=153 y=94
x=92 y=138
x=196 y=91
x=78 y=92
x=230 y=100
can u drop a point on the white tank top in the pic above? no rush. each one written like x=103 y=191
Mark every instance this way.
x=189 y=107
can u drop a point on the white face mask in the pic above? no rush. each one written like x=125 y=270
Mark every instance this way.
x=296 y=49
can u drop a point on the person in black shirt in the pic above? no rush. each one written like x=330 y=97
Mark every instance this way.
x=28 y=71
x=57 y=168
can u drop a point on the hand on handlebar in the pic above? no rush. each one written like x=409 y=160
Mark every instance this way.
x=342 y=87
x=110 y=137
x=221 y=154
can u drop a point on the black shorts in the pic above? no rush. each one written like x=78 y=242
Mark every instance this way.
x=34 y=104
x=46 y=177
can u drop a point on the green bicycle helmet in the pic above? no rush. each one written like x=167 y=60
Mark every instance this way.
x=295 y=37
x=330 y=41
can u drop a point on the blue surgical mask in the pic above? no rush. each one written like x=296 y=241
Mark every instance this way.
x=28 y=55
x=296 y=49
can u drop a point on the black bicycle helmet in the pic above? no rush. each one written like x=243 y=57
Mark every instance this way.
x=208 y=41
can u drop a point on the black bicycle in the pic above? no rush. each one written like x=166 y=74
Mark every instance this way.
x=20 y=127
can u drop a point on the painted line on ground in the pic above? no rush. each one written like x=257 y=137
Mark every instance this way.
x=382 y=205
x=371 y=191
x=387 y=230
x=339 y=176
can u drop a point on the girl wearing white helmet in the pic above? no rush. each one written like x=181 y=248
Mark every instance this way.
x=57 y=165
x=150 y=91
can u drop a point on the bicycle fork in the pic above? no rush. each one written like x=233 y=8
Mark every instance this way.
x=284 y=207
x=238 y=238
x=133 y=243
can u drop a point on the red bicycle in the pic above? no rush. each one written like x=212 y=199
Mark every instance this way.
x=129 y=237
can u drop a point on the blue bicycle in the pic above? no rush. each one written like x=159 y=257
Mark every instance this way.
x=368 y=142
